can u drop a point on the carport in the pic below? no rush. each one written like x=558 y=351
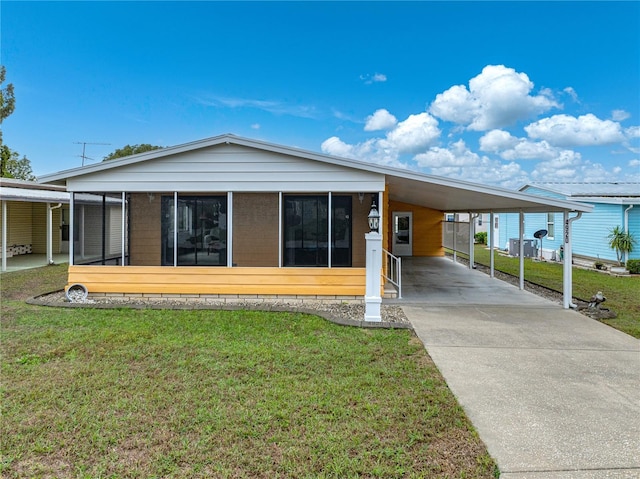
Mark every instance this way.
x=456 y=196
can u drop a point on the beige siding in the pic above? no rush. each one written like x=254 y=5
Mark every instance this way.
x=255 y=229
x=145 y=243
x=39 y=228
x=19 y=229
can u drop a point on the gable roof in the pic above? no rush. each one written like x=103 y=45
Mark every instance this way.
x=439 y=193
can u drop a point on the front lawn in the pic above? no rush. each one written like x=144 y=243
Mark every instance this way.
x=164 y=393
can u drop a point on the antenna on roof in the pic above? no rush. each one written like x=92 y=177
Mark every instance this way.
x=84 y=147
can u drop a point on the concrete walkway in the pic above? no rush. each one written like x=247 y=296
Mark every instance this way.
x=552 y=393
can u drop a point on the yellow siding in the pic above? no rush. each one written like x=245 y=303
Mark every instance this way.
x=203 y=280
x=39 y=228
x=18 y=223
x=427 y=228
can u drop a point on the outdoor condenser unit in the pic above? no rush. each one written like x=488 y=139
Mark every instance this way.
x=530 y=250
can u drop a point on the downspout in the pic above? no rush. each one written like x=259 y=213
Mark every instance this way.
x=472 y=229
x=50 y=232
x=567 y=278
x=521 y=250
x=491 y=240
x=626 y=229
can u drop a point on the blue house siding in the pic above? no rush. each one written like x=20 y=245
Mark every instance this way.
x=589 y=232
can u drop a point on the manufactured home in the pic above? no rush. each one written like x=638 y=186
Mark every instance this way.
x=235 y=217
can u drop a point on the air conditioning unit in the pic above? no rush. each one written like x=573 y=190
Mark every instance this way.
x=530 y=248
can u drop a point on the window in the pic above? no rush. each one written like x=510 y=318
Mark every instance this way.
x=306 y=235
x=202 y=231
x=550 y=225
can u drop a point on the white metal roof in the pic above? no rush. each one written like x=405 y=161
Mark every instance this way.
x=590 y=189
x=20 y=190
x=439 y=193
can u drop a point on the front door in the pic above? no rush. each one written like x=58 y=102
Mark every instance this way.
x=402 y=227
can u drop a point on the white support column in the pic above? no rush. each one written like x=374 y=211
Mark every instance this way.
x=472 y=252
x=372 y=298
x=72 y=226
x=4 y=236
x=567 y=266
x=175 y=228
x=124 y=232
x=49 y=234
x=230 y=229
x=521 y=251
x=280 y=216
x=455 y=234
x=491 y=239
x=329 y=227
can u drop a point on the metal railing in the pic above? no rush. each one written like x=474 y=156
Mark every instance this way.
x=393 y=270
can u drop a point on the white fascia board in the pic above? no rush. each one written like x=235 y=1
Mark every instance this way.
x=611 y=200
x=34 y=196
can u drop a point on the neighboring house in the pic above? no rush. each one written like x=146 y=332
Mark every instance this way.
x=35 y=219
x=614 y=204
x=230 y=216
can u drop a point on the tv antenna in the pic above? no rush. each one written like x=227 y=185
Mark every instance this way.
x=84 y=147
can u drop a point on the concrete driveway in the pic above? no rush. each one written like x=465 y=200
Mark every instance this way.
x=552 y=393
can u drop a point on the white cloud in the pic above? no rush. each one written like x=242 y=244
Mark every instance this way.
x=256 y=126
x=565 y=130
x=497 y=140
x=620 y=115
x=456 y=155
x=633 y=132
x=634 y=163
x=375 y=78
x=571 y=92
x=272 y=106
x=497 y=97
x=415 y=133
x=372 y=151
x=380 y=120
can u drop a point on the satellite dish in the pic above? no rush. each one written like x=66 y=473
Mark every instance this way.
x=540 y=234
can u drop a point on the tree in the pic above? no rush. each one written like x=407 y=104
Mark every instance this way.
x=14 y=167
x=11 y=166
x=129 y=150
x=7 y=98
x=621 y=241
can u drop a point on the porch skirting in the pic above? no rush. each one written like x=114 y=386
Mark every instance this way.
x=231 y=299
x=221 y=283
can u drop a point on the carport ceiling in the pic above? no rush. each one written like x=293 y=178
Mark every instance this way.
x=458 y=196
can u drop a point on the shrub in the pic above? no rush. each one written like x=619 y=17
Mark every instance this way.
x=633 y=266
x=481 y=237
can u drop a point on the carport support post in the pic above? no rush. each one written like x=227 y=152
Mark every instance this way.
x=491 y=233
x=567 y=272
x=472 y=219
x=4 y=236
x=372 y=298
x=521 y=252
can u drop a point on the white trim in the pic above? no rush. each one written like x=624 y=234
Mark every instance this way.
x=123 y=248
x=175 y=228
x=229 y=229
x=280 y=244
x=491 y=247
x=521 y=250
x=72 y=227
x=329 y=224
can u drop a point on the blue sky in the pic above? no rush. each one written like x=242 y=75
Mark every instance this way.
x=503 y=93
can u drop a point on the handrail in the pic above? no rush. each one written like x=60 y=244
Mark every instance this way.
x=393 y=270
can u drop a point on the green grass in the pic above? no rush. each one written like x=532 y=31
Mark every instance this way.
x=92 y=393
x=622 y=293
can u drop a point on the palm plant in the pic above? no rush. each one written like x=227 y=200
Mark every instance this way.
x=621 y=241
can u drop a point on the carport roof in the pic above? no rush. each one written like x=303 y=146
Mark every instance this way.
x=439 y=193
